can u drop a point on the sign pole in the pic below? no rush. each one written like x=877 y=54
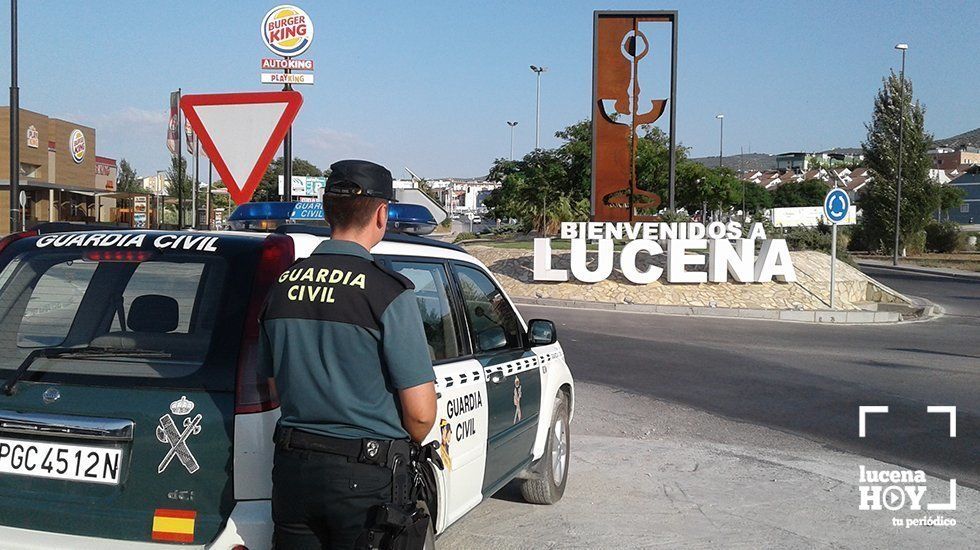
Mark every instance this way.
x=208 y=203
x=287 y=155
x=833 y=262
x=836 y=206
x=197 y=168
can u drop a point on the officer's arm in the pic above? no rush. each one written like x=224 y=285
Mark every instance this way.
x=418 y=409
x=406 y=355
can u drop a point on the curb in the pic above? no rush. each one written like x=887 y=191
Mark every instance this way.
x=848 y=317
x=956 y=274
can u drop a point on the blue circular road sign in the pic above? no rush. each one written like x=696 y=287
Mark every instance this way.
x=836 y=205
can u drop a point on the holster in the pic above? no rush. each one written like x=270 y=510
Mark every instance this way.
x=403 y=523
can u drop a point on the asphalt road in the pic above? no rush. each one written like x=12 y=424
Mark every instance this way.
x=806 y=379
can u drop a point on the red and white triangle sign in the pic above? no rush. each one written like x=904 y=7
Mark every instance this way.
x=241 y=133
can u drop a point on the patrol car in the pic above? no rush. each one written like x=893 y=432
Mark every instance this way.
x=133 y=415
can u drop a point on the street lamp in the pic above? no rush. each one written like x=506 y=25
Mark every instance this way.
x=901 y=131
x=537 y=108
x=14 y=124
x=721 y=137
x=512 y=125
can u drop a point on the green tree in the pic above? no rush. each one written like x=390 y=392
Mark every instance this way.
x=178 y=180
x=549 y=186
x=950 y=197
x=128 y=181
x=803 y=193
x=268 y=189
x=920 y=194
x=707 y=190
x=757 y=198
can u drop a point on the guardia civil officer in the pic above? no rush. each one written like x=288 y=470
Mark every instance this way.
x=344 y=339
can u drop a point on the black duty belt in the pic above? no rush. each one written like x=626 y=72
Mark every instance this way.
x=366 y=451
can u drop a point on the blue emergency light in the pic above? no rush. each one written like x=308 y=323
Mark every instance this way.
x=414 y=219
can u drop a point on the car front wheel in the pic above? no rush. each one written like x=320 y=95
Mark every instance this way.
x=549 y=486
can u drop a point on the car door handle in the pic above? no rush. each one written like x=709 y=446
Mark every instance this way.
x=497 y=377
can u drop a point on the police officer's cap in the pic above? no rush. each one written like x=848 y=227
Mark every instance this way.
x=359 y=177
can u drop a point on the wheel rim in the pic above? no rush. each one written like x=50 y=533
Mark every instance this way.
x=559 y=450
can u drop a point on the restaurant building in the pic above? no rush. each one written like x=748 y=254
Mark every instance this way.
x=61 y=175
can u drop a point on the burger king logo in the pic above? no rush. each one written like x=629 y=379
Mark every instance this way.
x=76 y=143
x=287 y=30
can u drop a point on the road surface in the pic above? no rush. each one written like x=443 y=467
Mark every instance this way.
x=713 y=432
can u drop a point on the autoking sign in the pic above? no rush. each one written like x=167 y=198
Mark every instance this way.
x=726 y=253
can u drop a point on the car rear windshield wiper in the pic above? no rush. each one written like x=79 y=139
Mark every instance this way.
x=51 y=353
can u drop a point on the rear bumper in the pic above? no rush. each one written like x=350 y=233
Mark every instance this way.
x=250 y=525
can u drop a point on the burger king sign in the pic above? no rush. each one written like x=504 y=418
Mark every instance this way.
x=287 y=30
x=76 y=143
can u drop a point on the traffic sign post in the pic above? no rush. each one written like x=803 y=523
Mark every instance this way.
x=241 y=132
x=836 y=205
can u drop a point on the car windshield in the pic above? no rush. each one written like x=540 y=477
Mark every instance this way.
x=147 y=315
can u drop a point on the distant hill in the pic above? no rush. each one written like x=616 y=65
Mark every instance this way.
x=748 y=161
x=966 y=138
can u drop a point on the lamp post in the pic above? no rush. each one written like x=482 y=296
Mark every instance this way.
x=512 y=126
x=901 y=131
x=721 y=137
x=537 y=108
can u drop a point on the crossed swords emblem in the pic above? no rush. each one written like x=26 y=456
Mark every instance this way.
x=167 y=432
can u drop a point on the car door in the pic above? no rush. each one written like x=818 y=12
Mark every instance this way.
x=461 y=421
x=512 y=374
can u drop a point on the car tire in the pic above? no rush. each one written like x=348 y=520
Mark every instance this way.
x=549 y=486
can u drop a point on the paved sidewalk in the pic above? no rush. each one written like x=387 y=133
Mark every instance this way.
x=911 y=268
x=924 y=310
x=650 y=474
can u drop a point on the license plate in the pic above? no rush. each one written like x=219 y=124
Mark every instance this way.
x=54 y=460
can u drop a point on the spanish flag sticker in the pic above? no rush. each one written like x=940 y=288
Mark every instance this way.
x=173 y=525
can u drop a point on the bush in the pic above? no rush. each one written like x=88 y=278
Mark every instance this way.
x=943 y=237
x=915 y=243
x=465 y=236
x=808 y=238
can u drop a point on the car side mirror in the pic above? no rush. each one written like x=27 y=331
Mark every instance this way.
x=541 y=332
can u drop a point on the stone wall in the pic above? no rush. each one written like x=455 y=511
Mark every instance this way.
x=514 y=269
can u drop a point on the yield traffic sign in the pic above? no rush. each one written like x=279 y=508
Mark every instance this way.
x=241 y=133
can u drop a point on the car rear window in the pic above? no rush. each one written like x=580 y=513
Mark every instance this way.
x=180 y=311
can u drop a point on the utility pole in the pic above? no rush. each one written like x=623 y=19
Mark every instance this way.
x=14 y=125
x=512 y=125
x=901 y=133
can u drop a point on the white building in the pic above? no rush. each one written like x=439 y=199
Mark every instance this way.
x=156 y=184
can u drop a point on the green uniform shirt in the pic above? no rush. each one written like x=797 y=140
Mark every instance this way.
x=342 y=335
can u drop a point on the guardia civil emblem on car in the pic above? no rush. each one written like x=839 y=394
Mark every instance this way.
x=167 y=432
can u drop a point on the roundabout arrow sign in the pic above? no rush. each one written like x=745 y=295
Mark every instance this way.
x=836 y=205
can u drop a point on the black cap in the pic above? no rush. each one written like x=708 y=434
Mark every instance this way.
x=359 y=177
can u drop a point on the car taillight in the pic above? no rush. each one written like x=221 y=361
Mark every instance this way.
x=254 y=392
x=10 y=239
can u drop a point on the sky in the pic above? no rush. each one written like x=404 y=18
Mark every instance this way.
x=431 y=85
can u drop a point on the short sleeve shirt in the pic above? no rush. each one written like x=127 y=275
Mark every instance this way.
x=342 y=334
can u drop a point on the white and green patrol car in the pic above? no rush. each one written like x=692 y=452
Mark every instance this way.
x=132 y=413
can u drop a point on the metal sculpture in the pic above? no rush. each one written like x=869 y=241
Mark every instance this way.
x=618 y=111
